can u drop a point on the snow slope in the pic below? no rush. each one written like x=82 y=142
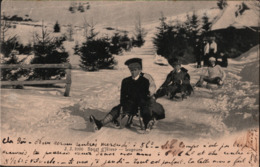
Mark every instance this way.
x=207 y=114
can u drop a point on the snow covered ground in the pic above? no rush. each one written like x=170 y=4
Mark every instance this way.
x=207 y=114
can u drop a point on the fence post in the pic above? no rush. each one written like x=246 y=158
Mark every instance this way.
x=68 y=81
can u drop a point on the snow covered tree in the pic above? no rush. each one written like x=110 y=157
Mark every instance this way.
x=10 y=49
x=48 y=50
x=95 y=55
x=56 y=27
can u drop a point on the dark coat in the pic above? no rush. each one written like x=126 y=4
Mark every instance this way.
x=174 y=83
x=177 y=78
x=135 y=91
x=134 y=95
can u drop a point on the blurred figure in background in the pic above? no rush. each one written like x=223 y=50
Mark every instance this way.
x=213 y=75
x=210 y=50
x=198 y=51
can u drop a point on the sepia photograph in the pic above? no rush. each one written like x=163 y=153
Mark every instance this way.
x=129 y=83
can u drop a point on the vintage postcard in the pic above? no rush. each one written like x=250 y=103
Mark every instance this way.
x=129 y=83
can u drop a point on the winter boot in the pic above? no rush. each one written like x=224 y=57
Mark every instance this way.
x=97 y=123
x=198 y=84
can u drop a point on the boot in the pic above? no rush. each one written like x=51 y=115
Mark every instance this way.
x=97 y=123
x=199 y=83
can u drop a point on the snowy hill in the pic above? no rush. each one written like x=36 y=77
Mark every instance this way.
x=239 y=14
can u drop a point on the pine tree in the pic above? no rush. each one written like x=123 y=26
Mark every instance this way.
x=205 y=23
x=170 y=41
x=48 y=50
x=115 y=47
x=56 y=27
x=125 y=42
x=95 y=55
x=160 y=37
x=191 y=26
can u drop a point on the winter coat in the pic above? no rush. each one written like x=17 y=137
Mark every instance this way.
x=134 y=90
x=180 y=78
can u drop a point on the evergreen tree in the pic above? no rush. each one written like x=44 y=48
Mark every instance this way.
x=56 y=27
x=95 y=55
x=125 y=42
x=191 y=26
x=115 y=47
x=170 y=41
x=10 y=50
x=159 y=40
x=48 y=50
x=206 y=24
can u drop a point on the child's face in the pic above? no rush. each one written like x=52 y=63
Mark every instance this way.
x=212 y=63
x=176 y=67
x=135 y=72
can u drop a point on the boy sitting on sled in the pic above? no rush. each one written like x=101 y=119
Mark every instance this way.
x=136 y=92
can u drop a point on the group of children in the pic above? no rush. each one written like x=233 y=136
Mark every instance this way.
x=138 y=92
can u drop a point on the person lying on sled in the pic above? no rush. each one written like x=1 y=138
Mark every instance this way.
x=177 y=81
x=136 y=91
x=214 y=74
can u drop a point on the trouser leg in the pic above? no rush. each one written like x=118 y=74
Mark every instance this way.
x=160 y=93
x=215 y=80
x=173 y=90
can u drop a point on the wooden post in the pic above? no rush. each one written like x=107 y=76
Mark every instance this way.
x=68 y=81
